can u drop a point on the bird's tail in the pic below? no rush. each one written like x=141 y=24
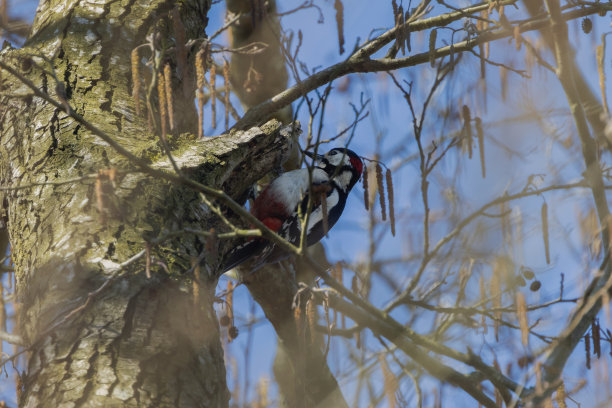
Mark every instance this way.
x=243 y=253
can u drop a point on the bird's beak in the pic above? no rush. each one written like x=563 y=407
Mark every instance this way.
x=313 y=156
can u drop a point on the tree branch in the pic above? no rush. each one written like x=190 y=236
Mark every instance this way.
x=360 y=61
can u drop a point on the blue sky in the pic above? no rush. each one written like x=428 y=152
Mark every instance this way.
x=389 y=116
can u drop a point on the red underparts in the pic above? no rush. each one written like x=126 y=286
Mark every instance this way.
x=273 y=223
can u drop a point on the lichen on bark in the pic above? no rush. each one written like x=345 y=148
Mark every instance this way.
x=141 y=341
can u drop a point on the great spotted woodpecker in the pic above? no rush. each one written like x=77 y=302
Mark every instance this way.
x=280 y=204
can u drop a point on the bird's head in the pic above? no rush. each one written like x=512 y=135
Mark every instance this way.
x=343 y=165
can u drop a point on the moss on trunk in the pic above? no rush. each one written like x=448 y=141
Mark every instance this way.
x=140 y=341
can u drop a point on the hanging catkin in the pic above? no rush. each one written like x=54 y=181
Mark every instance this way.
x=381 y=191
x=545 y=232
x=366 y=193
x=390 y=195
x=168 y=86
x=136 y=80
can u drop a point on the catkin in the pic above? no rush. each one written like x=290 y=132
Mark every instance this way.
x=213 y=94
x=601 y=53
x=100 y=199
x=340 y=24
x=148 y=260
x=226 y=83
x=545 y=232
x=480 y=136
x=161 y=93
x=168 y=85
x=587 y=350
x=200 y=63
x=136 y=80
x=389 y=381
x=229 y=299
x=518 y=40
x=586 y=25
x=521 y=312
x=390 y=195
x=366 y=193
x=596 y=338
x=467 y=127
x=381 y=191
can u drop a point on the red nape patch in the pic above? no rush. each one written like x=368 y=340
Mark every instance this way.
x=273 y=223
x=357 y=164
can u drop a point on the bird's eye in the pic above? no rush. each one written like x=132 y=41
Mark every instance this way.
x=333 y=152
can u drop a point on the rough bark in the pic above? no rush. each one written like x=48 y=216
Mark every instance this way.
x=139 y=342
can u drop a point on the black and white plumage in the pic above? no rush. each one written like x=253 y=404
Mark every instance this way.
x=334 y=174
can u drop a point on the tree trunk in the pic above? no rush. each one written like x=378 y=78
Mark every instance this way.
x=300 y=367
x=99 y=332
